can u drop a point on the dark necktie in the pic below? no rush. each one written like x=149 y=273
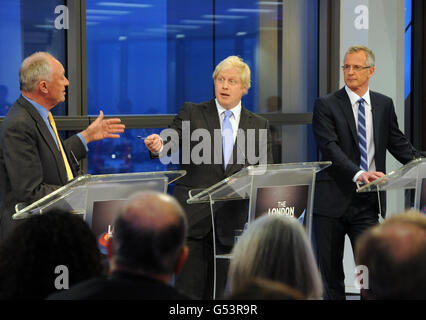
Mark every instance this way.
x=362 y=135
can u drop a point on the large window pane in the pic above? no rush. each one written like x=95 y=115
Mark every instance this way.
x=26 y=27
x=148 y=57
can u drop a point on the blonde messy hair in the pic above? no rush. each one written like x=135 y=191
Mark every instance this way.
x=239 y=64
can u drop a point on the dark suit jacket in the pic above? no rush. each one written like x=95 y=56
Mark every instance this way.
x=120 y=286
x=205 y=116
x=337 y=138
x=31 y=165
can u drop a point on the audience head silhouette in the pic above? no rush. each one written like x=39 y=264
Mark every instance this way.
x=149 y=236
x=146 y=248
x=395 y=254
x=32 y=252
x=276 y=248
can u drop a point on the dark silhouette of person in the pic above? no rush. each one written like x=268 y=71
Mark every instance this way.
x=30 y=255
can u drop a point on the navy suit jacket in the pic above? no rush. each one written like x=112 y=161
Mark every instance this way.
x=31 y=165
x=337 y=139
x=205 y=116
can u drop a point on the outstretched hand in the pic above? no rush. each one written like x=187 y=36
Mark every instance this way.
x=101 y=129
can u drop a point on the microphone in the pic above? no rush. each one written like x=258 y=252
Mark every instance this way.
x=76 y=164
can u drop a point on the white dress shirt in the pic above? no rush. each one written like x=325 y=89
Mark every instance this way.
x=353 y=97
x=234 y=119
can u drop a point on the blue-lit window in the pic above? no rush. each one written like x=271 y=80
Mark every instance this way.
x=149 y=57
x=27 y=26
x=127 y=154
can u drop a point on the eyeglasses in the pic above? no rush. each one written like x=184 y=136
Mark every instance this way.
x=355 y=68
x=231 y=82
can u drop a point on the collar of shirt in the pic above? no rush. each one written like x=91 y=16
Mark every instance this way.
x=44 y=113
x=236 y=111
x=353 y=97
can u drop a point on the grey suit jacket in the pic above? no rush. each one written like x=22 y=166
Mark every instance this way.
x=205 y=116
x=336 y=135
x=31 y=165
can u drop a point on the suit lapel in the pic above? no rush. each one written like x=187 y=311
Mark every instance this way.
x=374 y=112
x=346 y=107
x=211 y=117
x=45 y=133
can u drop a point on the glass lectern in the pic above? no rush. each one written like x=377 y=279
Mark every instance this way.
x=82 y=194
x=285 y=189
x=410 y=176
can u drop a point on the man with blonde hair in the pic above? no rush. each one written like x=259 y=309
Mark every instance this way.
x=34 y=160
x=226 y=115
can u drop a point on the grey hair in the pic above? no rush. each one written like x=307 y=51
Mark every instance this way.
x=368 y=52
x=276 y=248
x=33 y=69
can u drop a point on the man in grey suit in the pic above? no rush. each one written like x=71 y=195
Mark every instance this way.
x=33 y=162
x=231 y=80
x=353 y=128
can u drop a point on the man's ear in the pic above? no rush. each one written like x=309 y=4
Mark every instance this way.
x=182 y=259
x=371 y=71
x=42 y=86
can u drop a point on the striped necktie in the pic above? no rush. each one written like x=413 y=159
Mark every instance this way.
x=362 y=135
x=227 y=137
x=64 y=157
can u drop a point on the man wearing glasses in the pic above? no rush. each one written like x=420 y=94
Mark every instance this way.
x=353 y=128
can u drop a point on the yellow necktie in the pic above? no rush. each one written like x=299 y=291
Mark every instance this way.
x=64 y=157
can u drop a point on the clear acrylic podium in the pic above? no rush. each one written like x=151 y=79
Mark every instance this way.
x=410 y=176
x=269 y=189
x=80 y=195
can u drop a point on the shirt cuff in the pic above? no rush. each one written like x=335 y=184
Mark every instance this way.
x=355 y=178
x=158 y=153
x=82 y=141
